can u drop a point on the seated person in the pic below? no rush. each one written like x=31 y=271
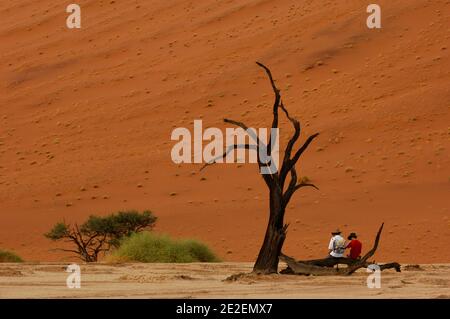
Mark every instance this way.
x=336 y=247
x=355 y=246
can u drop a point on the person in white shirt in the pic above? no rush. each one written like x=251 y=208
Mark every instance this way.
x=336 y=247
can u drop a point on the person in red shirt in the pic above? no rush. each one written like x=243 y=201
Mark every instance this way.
x=355 y=246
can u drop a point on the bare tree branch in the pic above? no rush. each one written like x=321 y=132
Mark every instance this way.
x=276 y=91
x=293 y=186
x=294 y=138
x=305 y=185
x=230 y=148
x=267 y=178
x=303 y=148
x=276 y=104
x=369 y=254
x=240 y=124
x=293 y=181
x=291 y=163
x=287 y=153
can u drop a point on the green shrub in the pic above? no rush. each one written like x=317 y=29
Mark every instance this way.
x=200 y=251
x=152 y=248
x=7 y=257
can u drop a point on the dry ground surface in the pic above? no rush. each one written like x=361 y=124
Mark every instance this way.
x=48 y=280
x=86 y=118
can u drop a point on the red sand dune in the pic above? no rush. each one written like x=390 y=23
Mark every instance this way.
x=94 y=109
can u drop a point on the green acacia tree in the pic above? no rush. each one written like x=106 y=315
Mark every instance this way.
x=100 y=233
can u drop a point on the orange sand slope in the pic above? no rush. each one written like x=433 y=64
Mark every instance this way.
x=86 y=118
x=46 y=280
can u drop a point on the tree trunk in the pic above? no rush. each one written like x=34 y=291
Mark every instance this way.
x=324 y=267
x=268 y=257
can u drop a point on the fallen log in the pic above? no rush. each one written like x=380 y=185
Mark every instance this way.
x=325 y=267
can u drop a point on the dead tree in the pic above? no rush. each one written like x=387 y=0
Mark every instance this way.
x=282 y=183
x=326 y=266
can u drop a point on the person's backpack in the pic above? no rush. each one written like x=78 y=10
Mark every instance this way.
x=339 y=245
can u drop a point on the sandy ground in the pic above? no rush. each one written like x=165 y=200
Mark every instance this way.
x=86 y=117
x=48 y=280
